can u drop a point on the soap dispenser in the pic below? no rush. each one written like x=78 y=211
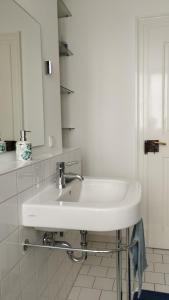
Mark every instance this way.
x=23 y=147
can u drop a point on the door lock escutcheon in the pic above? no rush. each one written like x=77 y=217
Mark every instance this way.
x=152 y=146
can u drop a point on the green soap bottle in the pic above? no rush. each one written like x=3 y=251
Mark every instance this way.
x=23 y=147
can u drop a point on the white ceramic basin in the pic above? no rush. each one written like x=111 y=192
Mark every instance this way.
x=93 y=205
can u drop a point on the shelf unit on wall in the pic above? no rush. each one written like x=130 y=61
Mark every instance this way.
x=63 y=11
x=68 y=128
x=64 y=51
x=65 y=91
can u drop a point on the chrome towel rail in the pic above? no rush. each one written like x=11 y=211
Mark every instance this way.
x=123 y=247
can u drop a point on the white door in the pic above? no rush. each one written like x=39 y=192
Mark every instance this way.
x=10 y=86
x=153 y=53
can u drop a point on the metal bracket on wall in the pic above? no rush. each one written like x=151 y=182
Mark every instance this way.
x=48 y=67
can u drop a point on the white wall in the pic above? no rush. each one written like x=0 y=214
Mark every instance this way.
x=45 y=12
x=102 y=35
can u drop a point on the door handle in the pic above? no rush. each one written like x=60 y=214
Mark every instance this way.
x=160 y=143
x=153 y=145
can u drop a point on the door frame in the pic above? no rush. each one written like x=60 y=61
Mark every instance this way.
x=140 y=119
x=141 y=157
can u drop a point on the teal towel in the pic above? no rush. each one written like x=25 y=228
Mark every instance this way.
x=138 y=253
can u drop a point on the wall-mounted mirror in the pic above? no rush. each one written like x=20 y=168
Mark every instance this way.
x=21 y=89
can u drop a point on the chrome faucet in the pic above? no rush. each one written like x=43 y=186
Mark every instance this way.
x=62 y=178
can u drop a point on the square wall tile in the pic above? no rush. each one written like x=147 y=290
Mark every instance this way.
x=74 y=155
x=11 y=285
x=8 y=186
x=22 y=197
x=10 y=253
x=30 y=290
x=27 y=268
x=8 y=217
x=42 y=278
x=68 y=282
x=52 y=164
x=39 y=172
x=41 y=257
x=25 y=178
x=58 y=280
x=54 y=260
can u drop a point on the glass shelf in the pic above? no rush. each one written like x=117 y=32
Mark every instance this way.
x=64 y=50
x=63 y=11
x=68 y=128
x=66 y=91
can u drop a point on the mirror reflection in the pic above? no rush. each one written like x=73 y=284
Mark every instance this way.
x=21 y=90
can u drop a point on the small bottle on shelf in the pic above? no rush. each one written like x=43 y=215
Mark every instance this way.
x=23 y=147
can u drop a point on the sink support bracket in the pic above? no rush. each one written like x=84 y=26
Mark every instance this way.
x=129 y=293
x=119 y=265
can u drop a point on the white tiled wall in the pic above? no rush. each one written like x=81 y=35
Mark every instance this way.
x=38 y=273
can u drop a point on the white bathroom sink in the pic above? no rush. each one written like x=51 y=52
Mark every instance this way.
x=93 y=205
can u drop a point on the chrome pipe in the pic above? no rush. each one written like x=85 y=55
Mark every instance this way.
x=119 y=265
x=27 y=245
x=71 y=176
x=83 y=257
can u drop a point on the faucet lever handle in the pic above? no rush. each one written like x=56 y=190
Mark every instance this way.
x=60 y=164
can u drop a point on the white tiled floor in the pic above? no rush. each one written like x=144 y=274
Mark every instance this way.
x=96 y=279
